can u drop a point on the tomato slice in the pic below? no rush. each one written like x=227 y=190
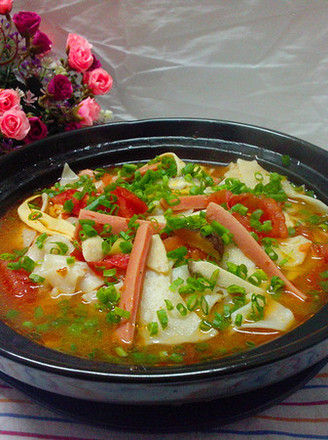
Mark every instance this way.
x=17 y=283
x=117 y=261
x=272 y=211
x=129 y=204
x=69 y=195
x=220 y=197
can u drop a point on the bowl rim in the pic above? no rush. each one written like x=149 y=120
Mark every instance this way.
x=273 y=351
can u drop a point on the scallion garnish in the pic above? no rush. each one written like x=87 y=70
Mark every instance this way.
x=162 y=317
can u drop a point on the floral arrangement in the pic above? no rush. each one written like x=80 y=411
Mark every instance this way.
x=39 y=95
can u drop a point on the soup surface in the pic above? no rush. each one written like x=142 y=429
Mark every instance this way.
x=165 y=263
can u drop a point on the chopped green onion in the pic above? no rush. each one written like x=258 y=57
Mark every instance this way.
x=35 y=215
x=61 y=248
x=120 y=352
x=162 y=317
x=168 y=304
x=177 y=253
x=126 y=247
x=204 y=305
x=176 y=283
x=241 y=209
x=68 y=206
x=40 y=240
x=125 y=314
x=152 y=327
x=70 y=260
x=182 y=309
x=192 y=302
x=239 y=319
x=12 y=314
x=36 y=278
x=234 y=288
x=38 y=312
x=291 y=231
x=205 y=325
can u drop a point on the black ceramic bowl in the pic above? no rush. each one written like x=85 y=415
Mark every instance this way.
x=210 y=141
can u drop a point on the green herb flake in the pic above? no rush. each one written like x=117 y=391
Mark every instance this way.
x=152 y=328
x=11 y=314
x=163 y=318
x=36 y=278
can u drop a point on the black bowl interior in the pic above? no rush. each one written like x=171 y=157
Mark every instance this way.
x=208 y=141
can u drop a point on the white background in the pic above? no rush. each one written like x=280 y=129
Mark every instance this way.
x=263 y=62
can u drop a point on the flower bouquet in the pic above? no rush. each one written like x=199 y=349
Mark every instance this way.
x=40 y=95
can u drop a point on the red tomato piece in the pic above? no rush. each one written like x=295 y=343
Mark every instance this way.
x=118 y=261
x=220 y=197
x=272 y=211
x=69 y=195
x=129 y=204
x=17 y=283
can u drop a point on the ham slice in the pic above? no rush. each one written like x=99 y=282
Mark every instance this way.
x=133 y=282
x=196 y=202
x=118 y=224
x=249 y=246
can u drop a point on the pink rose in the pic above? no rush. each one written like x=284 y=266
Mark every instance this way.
x=14 y=124
x=9 y=98
x=37 y=131
x=60 y=88
x=41 y=44
x=74 y=39
x=27 y=23
x=88 y=111
x=98 y=81
x=80 y=58
x=5 y=6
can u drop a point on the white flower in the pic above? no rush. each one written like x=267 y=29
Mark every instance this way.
x=104 y=116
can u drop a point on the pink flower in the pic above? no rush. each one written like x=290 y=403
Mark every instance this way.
x=60 y=88
x=14 y=124
x=27 y=23
x=5 y=6
x=41 y=44
x=80 y=58
x=9 y=98
x=74 y=39
x=98 y=81
x=88 y=111
x=37 y=131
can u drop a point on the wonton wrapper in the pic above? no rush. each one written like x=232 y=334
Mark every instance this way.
x=276 y=316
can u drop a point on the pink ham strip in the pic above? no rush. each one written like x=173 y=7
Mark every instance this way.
x=188 y=202
x=118 y=224
x=133 y=282
x=249 y=245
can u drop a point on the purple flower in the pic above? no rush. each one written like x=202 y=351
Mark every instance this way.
x=27 y=23
x=41 y=44
x=37 y=131
x=95 y=65
x=60 y=88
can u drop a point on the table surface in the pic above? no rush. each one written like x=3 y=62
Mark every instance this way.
x=253 y=61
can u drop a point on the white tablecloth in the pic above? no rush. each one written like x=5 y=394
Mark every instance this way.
x=261 y=62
